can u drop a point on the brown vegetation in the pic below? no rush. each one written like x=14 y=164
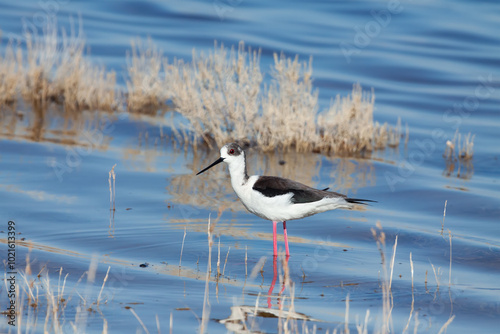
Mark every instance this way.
x=49 y=68
x=460 y=148
x=223 y=98
x=221 y=94
x=458 y=153
x=46 y=298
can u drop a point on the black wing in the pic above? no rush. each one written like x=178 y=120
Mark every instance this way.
x=271 y=186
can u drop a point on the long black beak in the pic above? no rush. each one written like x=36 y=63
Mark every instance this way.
x=216 y=162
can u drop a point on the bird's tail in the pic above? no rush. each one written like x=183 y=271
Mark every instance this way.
x=359 y=201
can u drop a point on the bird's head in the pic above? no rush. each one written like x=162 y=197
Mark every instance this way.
x=229 y=153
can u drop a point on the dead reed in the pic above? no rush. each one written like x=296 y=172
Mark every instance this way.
x=461 y=147
x=112 y=188
x=459 y=151
x=144 y=86
x=53 y=67
x=182 y=247
x=10 y=75
x=444 y=216
x=412 y=296
x=206 y=300
x=42 y=301
x=220 y=94
x=386 y=283
x=140 y=320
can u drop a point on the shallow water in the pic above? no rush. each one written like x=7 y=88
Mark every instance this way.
x=435 y=65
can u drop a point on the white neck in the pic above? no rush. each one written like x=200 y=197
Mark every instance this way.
x=237 y=170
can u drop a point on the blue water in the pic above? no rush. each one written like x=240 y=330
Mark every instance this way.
x=433 y=64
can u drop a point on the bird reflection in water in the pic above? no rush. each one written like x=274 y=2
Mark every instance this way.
x=286 y=277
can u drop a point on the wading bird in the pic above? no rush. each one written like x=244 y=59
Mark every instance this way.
x=275 y=198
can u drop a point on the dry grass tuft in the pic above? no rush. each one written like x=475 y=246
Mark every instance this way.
x=223 y=98
x=289 y=108
x=220 y=94
x=10 y=75
x=217 y=93
x=43 y=303
x=460 y=148
x=348 y=128
x=50 y=68
x=460 y=151
x=145 y=86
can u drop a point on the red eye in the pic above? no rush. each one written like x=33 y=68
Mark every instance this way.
x=231 y=151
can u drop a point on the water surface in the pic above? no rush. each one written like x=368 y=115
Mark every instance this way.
x=433 y=64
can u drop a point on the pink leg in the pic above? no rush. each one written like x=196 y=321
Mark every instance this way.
x=275 y=240
x=275 y=276
x=286 y=240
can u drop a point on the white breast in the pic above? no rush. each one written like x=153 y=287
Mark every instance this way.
x=281 y=208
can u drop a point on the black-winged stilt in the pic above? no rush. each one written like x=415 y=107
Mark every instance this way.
x=275 y=198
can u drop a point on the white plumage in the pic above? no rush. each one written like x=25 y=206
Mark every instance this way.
x=275 y=198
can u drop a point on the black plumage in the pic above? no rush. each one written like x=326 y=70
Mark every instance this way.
x=271 y=186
